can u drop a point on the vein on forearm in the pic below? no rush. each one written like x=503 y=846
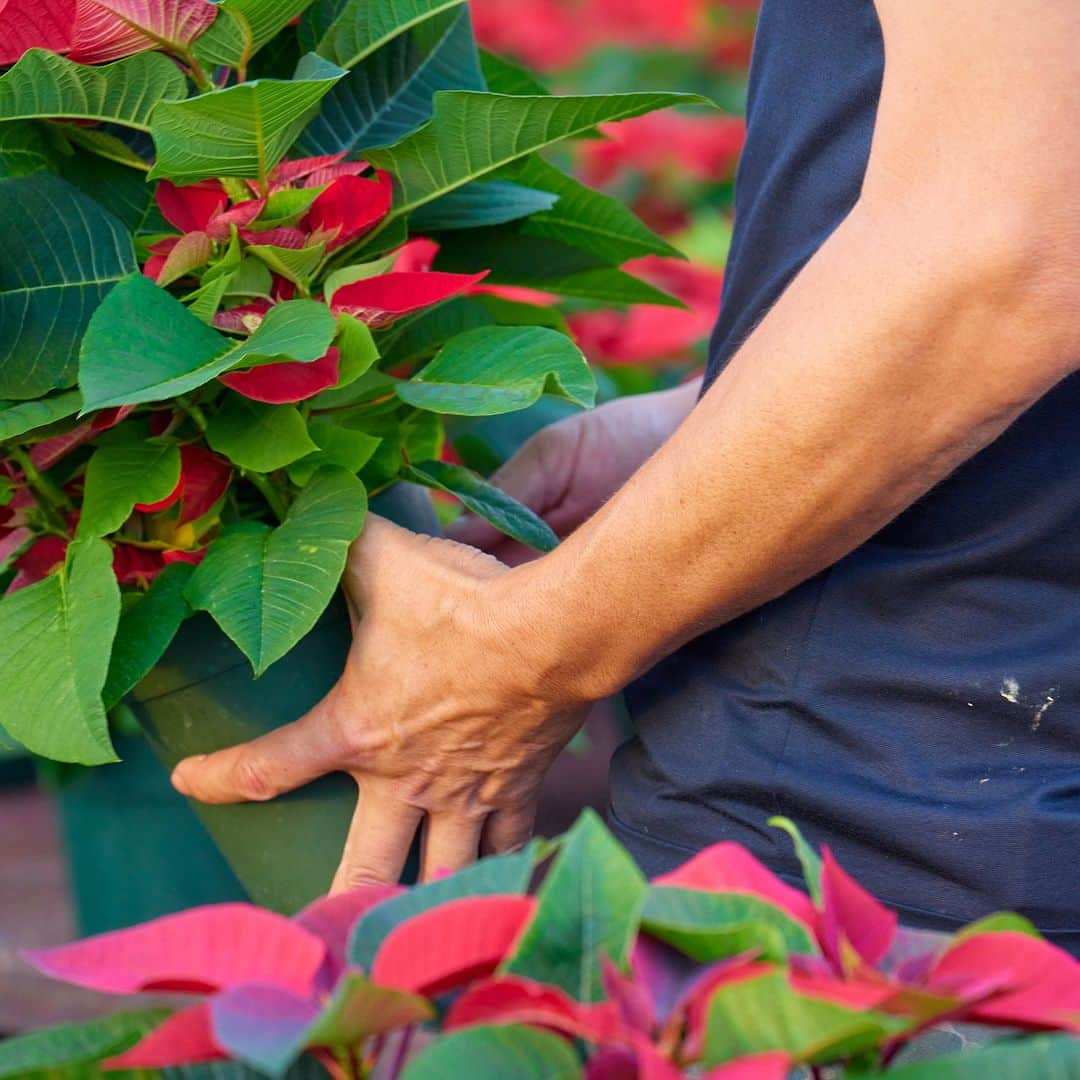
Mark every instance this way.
x=888 y=362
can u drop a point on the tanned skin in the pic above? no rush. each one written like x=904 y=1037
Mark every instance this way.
x=945 y=305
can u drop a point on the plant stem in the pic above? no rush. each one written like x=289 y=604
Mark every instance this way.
x=269 y=492
x=50 y=499
x=402 y=1055
x=198 y=417
x=198 y=76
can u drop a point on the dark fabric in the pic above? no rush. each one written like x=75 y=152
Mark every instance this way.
x=917 y=707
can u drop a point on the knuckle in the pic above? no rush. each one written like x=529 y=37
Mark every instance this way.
x=360 y=874
x=251 y=780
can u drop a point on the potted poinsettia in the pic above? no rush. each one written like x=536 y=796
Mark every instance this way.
x=253 y=253
x=718 y=969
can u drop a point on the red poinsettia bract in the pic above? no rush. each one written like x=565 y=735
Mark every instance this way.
x=98 y=31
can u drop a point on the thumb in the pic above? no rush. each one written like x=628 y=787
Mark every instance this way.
x=268 y=766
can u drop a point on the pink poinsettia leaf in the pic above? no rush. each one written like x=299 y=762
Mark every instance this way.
x=11 y=540
x=159 y=252
x=189 y=253
x=170 y=500
x=850 y=993
x=192 y=207
x=294 y=169
x=691 y=1012
x=332 y=918
x=49 y=451
x=286 y=236
x=205 y=477
x=851 y=916
x=244 y=319
x=772 y=1065
x=729 y=868
x=1038 y=984
x=219 y=228
x=632 y=999
x=262 y=1025
x=652 y=1065
x=520 y=294
x=135 y=565
x=612 y=1063
x=44 y=555
x=347 y=209
x=110 y=29
x=417 y=256
x=329 y=173
x=185 y=1038
x=177 y=555
x=35 y=24
x=379 y=300
x=664 y=971
x=198 y=951
x=511 y=999
x=281 y=384
x=451 y=945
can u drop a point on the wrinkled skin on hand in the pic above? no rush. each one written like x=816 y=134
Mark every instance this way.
x=444 y=714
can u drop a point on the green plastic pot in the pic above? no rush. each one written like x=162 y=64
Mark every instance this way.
x=134 y=848
x=202 y=697
x=138 y=850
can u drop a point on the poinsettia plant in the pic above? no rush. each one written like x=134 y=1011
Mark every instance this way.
x=718 y=969
x=254 y=251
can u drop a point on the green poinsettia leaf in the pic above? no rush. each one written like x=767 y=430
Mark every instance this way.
x=241 y=131
x=143 y=345
x=765 y=1013
x=122 y=474
x=475 y=205
x=419 y=336
x=121 y=190
x=507 y=875
x=243 y=27
x=62 y=255
x=24 y=150
x=504 y=1052
x=295 y=264
x=340 y=443
x=1048 y=1057
x=512 y=257
x=486 y=501
x=392 y=92
x=266 y=588
x=711 y=926
x=473 y=134
x=73 y=1045
x=589 y=907
x=807 y=856
x=505 y=77
x=17 y=419
x=44 y=86
x=587 y=219
x=347 y=33
x=499 y=369
x=55 y=639
x=146 y=629
x=257 y=436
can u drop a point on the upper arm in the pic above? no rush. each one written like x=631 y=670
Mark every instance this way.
x=977 y=143
x=986 y=89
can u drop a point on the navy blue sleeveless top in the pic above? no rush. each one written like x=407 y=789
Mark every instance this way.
x=917 y=706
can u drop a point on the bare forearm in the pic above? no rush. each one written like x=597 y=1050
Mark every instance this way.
x=884 y=366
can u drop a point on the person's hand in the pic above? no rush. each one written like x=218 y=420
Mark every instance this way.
x=567 y=471
x=445 y=714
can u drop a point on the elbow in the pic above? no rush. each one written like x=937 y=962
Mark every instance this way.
x=1019 y=265
x=1038 y=260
